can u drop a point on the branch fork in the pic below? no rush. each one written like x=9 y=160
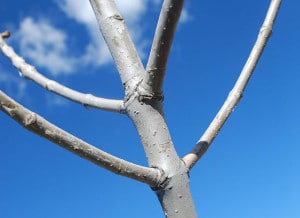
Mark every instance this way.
x=143 y=103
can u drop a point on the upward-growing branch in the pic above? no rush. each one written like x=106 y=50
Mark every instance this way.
x=119 y=42
x=168 y=174
x=236 y=93
x=161 y=46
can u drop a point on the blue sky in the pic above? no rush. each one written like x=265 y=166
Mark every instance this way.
x=251 y=169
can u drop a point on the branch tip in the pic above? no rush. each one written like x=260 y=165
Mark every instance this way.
x=5 y=34
x=237 y=91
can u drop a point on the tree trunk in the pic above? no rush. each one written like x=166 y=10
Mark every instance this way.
x=174 y=192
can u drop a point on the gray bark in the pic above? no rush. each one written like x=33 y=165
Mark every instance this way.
x=143 y=107
x=29 y=72
x=161 y=46
x=167 y=174
x=42 y=127
x=236 y=93
x=174 y=192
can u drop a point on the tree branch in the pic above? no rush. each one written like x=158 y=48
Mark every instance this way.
x=236 y=93
x=29 y=72
x=42 y=127
x=118 y=40
x=163 y=38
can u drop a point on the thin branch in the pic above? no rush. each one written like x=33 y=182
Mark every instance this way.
x=118 y=40
x=42 y=127
x=236 y=93
x=29 y=72
x=163 y=38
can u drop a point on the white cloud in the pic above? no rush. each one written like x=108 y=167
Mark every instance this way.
x=46 y=45
x=12 y=84
x=185 y=16
x=55 y=100
x=81 y=11
x=132 y=12
x=96 y=52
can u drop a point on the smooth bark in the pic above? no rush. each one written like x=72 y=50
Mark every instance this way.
x=119 y=42
x=146 y=111
x=237 y=92
x=174 y=193
x=167 y=174
x=37 y=124
x=161 y=46
x=29 y=72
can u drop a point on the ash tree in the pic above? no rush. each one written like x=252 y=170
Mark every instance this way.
x=167 y=174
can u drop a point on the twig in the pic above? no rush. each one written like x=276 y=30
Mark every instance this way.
x=29 y=72
x=236 y=93
x=42 y=127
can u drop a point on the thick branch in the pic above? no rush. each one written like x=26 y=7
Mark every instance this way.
x=174 y=193
x=236 y=93
x=42 y=127
x=116 y=35
x=163 y=38
x=29 y=72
